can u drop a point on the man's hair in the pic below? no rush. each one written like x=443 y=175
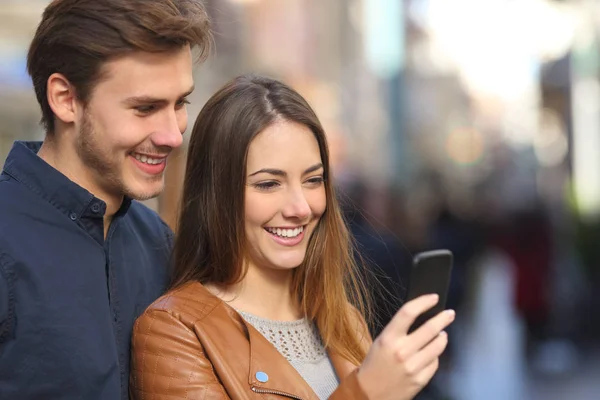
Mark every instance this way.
x=76 y=37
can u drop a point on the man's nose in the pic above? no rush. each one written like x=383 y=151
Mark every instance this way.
x=170 y=133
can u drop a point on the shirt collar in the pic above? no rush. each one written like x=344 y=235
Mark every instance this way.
x=24 y=165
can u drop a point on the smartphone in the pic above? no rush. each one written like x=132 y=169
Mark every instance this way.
x=430 y=274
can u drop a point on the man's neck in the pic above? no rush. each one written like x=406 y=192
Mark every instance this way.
x=63 y=158
x=264 y=293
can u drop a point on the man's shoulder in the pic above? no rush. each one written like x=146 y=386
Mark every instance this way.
x=14 y=198
x=9 y=187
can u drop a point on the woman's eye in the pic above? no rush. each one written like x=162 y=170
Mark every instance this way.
x=317 y=180
x=266 y=185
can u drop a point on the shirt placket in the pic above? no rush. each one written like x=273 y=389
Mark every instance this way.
x=114 y=304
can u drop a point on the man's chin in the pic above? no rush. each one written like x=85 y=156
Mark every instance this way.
x=145 y=193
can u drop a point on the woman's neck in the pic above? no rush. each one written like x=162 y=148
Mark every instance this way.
x=265 y=293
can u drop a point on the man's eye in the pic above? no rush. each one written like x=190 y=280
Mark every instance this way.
x=182 y=102
x=144 y=109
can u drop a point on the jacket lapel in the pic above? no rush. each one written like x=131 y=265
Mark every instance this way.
x=280 y=376
x=233 y=350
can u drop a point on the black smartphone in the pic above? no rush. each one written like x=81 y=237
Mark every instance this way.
x=430 y=274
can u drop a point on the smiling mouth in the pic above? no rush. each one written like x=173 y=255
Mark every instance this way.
x=286 y=233
x=148 y=160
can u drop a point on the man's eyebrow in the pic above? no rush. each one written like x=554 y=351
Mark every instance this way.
x=152 y=100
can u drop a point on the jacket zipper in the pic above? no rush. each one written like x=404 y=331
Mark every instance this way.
x=267 y=391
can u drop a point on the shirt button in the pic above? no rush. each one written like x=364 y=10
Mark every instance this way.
x=95 y=208
x=73 y=216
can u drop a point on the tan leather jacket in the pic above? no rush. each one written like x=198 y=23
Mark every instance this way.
x=189 y=344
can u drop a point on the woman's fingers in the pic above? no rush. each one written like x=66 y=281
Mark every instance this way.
x=398 y=364
x=429 y=331
x=424 y=375
x=421 y=360
x=409 y=312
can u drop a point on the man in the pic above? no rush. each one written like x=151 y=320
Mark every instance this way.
x=80 y=259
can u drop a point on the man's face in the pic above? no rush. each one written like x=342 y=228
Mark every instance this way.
x=133 y=120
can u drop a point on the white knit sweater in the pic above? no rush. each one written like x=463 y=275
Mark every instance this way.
x=300 y=343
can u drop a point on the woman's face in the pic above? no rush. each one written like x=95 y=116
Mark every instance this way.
x=285 y=195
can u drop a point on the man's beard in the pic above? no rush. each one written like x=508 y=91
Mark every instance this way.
x=105 y=166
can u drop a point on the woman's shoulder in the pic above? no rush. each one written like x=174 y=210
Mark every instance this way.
x=191 y=303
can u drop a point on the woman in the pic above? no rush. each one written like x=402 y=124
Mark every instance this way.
x=263 y=272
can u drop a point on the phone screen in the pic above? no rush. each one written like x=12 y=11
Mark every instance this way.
x=430 y=274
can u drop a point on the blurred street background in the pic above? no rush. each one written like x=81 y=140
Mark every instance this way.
x=472 y=125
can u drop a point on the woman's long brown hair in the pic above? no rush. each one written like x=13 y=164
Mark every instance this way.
x=210 y=240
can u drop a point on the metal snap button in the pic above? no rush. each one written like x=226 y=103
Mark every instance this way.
x=262 y=376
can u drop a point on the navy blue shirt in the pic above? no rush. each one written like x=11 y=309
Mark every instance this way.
x=68 y=297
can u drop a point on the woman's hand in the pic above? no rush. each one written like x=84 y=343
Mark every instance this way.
x=399 y=364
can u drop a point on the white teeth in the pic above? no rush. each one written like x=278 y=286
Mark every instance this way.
x=286 y=232
x=147 y=160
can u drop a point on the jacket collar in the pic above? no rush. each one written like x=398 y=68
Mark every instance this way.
x=281 y=376
x=261 y=356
